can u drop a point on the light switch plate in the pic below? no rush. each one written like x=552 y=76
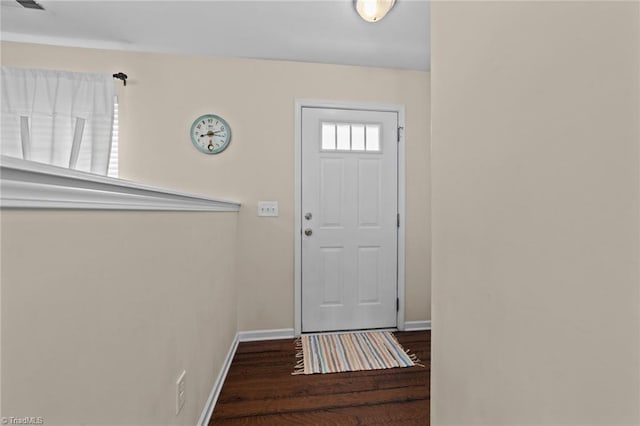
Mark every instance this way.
x=268 y=208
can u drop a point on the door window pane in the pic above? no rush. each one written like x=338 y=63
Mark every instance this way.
x=373 y=137
x=344 y=137
x=357 y=137
x=328 y=136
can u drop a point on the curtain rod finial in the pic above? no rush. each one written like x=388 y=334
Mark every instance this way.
x=121 y=76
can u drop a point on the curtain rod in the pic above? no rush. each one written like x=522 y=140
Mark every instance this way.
x=121 y=76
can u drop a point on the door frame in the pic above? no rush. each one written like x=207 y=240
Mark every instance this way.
x=297 y=230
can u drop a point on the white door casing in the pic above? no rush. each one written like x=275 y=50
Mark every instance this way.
x=349 y=223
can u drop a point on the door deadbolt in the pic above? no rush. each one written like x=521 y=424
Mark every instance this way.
x=308 y=216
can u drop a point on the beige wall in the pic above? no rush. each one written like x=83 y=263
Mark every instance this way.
x=536 y=110
x=166 y=93
x=114 y=339
x=101 y=312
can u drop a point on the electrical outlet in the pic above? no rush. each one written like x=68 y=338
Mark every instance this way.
x=267 y=208
x=180 y=391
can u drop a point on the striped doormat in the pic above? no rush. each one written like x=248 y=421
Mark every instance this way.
x=334 y=353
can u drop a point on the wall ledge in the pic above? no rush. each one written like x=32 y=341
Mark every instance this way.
x=30 y=185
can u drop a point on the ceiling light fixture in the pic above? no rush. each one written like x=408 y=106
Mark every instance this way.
x=373 y=10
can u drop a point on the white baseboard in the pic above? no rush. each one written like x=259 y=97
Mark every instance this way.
x=217 y=385
x=242 y=336
x=256 y=335
x=417 y=325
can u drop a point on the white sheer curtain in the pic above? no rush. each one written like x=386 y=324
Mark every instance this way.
x=58 y=117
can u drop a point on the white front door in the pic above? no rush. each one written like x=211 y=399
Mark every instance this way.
x=349 y=219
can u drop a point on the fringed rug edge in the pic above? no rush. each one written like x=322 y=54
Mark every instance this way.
x=300 y=364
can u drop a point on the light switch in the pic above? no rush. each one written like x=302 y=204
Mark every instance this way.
x=267 y=208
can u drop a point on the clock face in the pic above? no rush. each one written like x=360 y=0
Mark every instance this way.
x=210 y=134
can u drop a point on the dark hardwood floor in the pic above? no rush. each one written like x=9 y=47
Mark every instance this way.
x=260 y=389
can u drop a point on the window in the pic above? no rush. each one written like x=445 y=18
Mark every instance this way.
x=113 y=155
x=355 y=137
x=57 y=117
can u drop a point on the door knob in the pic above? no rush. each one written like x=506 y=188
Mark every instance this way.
x=308 y=216
x=308 y=232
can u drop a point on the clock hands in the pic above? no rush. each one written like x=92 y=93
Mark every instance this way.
x=211 y=133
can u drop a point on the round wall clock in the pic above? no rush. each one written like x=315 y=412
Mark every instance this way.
x=210 y=134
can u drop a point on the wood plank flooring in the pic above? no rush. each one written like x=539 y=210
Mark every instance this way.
x=260 y=389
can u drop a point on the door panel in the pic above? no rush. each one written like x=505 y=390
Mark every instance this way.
x=369 y=185
x=349 y=249
x=331 y=196
x=332 y=279
x=369 y=260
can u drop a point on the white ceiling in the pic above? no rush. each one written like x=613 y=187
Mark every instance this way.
x=327 y=31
